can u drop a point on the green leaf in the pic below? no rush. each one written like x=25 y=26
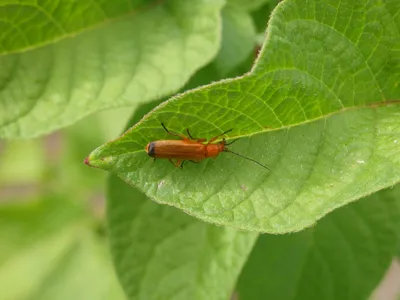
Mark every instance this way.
x=128 y=60
x=344 y=257
x=238 y=39
x=319 y=108
x=28 y=24
x=46 y=250
x=260 y=15
x=161 y=253
x=125 y=231
x=248 y=5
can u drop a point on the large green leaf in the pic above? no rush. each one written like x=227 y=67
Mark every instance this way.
x=27 y=24
x=319 y=108
x=161 y=253
x=128 y=60
x=344 y=257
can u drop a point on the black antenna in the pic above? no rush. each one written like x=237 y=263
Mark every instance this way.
x=248 y=158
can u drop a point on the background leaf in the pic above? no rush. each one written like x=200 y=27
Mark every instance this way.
x=238 y=38
x=27 y=24
x=343 y=257
x=46 y=251
x=131 y=60
x=303 y=74
x=14 y=169
x=187 y=259
x=249 y=5
x=260 y=15
x=52 y=216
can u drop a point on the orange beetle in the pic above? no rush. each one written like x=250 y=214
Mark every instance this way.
x=189 y=148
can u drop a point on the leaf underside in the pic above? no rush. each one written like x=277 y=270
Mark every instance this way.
x=118 y=55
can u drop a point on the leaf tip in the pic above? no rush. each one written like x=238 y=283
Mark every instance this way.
x=105 y=163
x=86 y=161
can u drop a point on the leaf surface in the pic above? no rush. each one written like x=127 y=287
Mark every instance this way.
x=28 y=24
x=132 y=59
x=319 y=108
x=345 y=256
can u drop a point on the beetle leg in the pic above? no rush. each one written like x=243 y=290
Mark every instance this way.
x=200 y=140
x=174 y=133
x=187 y=130
x=178 y=163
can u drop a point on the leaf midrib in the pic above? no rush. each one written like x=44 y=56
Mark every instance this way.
x=249 y=135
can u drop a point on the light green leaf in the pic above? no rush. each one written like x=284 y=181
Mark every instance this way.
x=46 y=250
x=344 y=257
x=130 y=60
x=319 y=108
x=27 y=24
x=161 y=253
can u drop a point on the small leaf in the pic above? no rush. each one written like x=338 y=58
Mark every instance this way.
x=129 y=60
x=343 y=257
x=319 y=108
x=187 y=259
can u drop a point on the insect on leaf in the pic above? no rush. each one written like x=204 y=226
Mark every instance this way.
x=320 y=108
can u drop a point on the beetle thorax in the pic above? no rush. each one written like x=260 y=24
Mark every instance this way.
x=212 y=150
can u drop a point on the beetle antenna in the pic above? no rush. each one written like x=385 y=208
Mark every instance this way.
x=248 y=158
